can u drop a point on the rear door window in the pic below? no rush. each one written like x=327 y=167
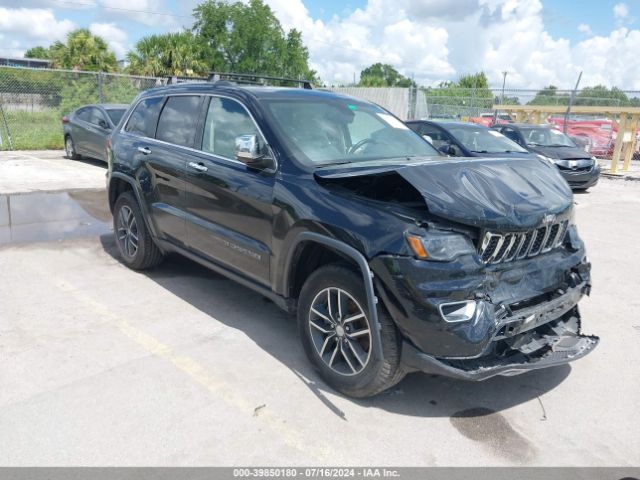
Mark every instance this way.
x=115 y=114
x=178 y=120
x=84 y=114
x=144 y=118
x=96 y=116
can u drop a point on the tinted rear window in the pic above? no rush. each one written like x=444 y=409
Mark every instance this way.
x=144 y=118
x=84 y=114
x=178 y=120
x=115 y=114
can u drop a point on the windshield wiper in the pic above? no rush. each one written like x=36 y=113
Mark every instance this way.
x=331 y=164
x=479 y=151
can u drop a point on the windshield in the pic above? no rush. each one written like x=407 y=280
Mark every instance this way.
x=115 y=114
x=483 y=140
x=325 y=132
x=546 y=137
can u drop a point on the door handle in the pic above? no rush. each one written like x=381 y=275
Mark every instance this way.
x=144 y=150
x=198 y=166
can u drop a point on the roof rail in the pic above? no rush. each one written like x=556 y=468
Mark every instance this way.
x=254 y=79
x=174 y=80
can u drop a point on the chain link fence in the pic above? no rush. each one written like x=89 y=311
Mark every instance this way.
x=33 y=101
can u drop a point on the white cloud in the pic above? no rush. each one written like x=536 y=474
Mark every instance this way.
x=620 y=10
x=34 y=24
x=49 y=4
x=114 y=36
x=584 y=28
x=433 y=41
x=381 y=32
x=147 y=12
x=11 y=48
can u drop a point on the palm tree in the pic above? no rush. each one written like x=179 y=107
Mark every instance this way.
x=83 y=51
x=178 y=54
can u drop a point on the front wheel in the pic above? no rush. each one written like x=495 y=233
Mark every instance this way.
x=137 y=249
x=336 y=332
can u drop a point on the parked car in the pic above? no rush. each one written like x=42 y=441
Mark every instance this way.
x=597 y=135
x=578 y=167
x=460 y=139
x=486 y=119
x=393 y=257
x=86 y=130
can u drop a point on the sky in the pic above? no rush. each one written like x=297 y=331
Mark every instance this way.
x=537 y=42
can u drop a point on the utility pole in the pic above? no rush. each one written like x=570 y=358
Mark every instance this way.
x=568 y=112
x=504 y=80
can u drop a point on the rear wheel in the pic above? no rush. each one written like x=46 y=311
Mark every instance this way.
x=70 y=148
x=336 y=332
x=134 y=242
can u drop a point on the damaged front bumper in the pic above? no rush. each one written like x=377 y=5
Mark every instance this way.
x=526 y=315
x=554 y=343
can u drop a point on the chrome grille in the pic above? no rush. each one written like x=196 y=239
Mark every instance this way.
x=508 y=246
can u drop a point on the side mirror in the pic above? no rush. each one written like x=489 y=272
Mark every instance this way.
x=248 y=151
x=448 y=149
x=103 y=124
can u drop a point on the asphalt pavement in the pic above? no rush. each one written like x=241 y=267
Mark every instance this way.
x=101 y=365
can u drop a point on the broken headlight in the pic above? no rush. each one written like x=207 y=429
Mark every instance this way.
x=440 y=246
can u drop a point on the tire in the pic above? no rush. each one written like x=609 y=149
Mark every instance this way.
x=136 y=247
x=70 y=148
x=354 y=373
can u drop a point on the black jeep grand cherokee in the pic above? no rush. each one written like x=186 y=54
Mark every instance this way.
x=395 y=258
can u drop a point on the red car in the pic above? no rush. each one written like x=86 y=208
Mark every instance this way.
x=598 y=135
x=486 y=119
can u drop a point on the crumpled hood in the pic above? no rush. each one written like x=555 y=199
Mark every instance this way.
x=562 y=153
x=497 y=194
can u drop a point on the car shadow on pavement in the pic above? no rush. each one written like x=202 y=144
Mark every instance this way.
x=275 y=332
x=86 y=160
x=91 y=161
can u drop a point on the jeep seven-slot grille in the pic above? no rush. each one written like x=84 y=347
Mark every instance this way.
x=508 y=246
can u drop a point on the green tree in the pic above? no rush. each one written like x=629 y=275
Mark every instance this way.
x=37 y=52
x=509 y=100
x=179 y=54
x=117 y=89
x=77 y=92
x=549 y=96
x=478 y=81
x=470 y=92
x=601 y=95
x=383 y=75
x=248 y=38
x=83 y=51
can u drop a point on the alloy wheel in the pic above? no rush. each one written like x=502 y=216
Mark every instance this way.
x=68 y=146
x=127 y=231
x=340 y=331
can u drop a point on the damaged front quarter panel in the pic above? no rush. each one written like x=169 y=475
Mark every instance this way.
x=506 y=316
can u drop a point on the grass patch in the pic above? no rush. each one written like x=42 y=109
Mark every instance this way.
x=32 y=130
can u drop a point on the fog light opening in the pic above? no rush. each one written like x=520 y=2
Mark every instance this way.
x=458 y=311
